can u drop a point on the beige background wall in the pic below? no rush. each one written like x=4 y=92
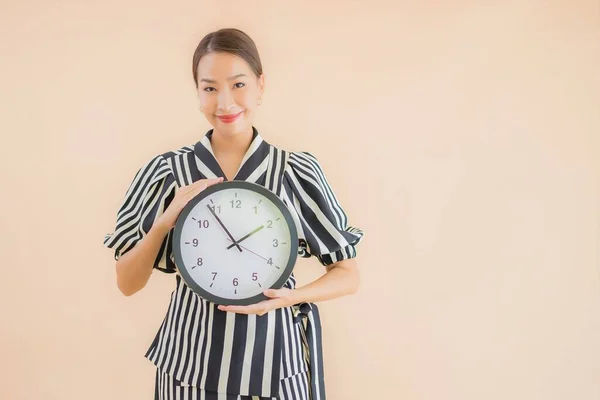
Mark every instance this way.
x=462 y=136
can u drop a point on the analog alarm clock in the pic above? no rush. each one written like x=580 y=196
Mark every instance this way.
x=234 y=240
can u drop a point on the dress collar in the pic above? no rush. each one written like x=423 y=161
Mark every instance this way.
x=253 y=166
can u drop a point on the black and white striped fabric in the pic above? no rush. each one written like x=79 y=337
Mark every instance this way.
x=214 y=351
x=167 y=387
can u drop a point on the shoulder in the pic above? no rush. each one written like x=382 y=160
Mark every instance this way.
x=159 y=166
x=304 y=162
x=154 y=169
x=304 y=170
x=299 y=156
x=183 y=150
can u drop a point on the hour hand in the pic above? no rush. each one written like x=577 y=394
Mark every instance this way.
x=245 y=237
x=224 y=228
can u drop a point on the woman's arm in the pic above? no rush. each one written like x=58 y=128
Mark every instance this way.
x=135 y=267
x=342 y=278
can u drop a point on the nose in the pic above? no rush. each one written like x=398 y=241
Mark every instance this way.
x=226 y=102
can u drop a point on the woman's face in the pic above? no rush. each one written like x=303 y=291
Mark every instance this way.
x=227 y=87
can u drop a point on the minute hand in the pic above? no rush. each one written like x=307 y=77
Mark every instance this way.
x=245 y=237
x=225 y=229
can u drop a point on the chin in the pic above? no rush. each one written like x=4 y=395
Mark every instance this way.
x=234 y=128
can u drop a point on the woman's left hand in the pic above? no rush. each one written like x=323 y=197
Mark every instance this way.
x=278 y=298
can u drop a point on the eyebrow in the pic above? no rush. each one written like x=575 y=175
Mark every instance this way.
x=229 y=79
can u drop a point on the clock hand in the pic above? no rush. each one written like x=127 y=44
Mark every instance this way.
x=258 y=255
x=247 y=236
x=223 y=226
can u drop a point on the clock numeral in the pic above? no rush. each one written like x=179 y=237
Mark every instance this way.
x=270 y=261
x=203 y=223
x=214 y=208
x=269 y=224
x=255 y=209
x=199 y=263
x=194 y=242
x=275 y=243
x=235 y=282
x=214 y=275
x=254 y=276
x=238 y=203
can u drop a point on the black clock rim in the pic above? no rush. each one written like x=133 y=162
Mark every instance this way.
x=226 y=185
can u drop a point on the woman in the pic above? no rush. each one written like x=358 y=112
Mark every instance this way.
x=269 y=350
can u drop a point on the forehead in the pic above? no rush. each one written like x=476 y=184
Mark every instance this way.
x=221 y=66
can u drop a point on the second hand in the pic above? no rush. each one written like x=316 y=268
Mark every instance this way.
x=245 y=248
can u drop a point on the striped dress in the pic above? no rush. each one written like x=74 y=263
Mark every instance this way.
x=202 y=352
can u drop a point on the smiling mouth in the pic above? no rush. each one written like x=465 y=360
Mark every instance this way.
x=230 y=117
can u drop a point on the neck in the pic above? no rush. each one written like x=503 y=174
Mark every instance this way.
x=231 y=144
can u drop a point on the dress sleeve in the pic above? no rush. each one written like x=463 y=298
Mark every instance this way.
x=323 y=220
x=148 y=196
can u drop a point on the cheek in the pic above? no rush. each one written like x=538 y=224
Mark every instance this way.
x=247 y=100
x=205 y=99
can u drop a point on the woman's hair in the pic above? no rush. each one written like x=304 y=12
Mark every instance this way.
x=228 y=40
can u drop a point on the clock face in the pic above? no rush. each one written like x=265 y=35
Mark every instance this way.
x=233 y=241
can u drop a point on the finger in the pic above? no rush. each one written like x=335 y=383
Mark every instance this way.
x=192 y=192
x=202 y=182
x=206 y=183
x=199 y=185
x=214 y=181
x=200 y=188
x=258 y=308
x=239 y=309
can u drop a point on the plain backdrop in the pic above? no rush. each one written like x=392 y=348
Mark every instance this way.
x=463 y=137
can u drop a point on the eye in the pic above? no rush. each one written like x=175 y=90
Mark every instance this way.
x=206 y=89
x=239 y=83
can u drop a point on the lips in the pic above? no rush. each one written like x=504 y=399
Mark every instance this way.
x=229 y=118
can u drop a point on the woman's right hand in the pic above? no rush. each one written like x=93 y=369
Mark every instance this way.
x=182 y=196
